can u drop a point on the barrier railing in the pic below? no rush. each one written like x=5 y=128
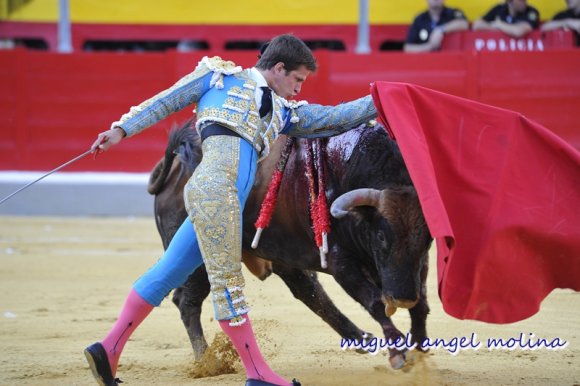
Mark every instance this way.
x=53 y=105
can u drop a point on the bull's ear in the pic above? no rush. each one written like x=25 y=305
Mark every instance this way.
x=396 y=201
x=155 y=182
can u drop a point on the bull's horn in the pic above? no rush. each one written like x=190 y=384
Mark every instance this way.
x=358 y=197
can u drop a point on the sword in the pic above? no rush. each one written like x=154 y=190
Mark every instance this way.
x=48 y=174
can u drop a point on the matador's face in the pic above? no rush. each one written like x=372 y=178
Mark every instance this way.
x=288 y=84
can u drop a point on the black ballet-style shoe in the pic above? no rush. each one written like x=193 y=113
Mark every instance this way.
x=257 y=382
x=99 y=364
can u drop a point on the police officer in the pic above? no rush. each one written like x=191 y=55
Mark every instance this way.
x=566 y=19
x=514 y=17
x=428 y=28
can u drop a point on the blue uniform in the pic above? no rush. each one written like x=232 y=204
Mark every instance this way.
x=569 y=14
x=423 y=25
x=530 y=15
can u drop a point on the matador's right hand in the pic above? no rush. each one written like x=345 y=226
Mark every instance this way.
x=108 y=138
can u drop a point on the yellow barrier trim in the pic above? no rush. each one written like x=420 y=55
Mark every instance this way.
x=250 y=12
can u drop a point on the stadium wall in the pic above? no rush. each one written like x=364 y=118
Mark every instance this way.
x=334 y=22
x=53 y=105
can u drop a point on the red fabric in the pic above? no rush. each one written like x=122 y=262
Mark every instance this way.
x=501 y=196
x=269 y=203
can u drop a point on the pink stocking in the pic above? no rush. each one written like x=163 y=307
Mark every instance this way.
x=245 y=343
x=133 y=313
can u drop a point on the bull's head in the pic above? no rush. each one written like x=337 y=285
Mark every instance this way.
x=397 y=237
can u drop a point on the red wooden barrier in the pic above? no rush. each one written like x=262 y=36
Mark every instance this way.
x=53 y=105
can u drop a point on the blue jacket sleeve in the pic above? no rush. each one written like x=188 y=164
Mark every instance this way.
x=185 y=92
x=325 y=121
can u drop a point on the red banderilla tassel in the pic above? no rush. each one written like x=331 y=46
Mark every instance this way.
x=321 y=220
x=269 y=203
x=323 y=217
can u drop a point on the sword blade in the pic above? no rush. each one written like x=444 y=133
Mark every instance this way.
x=46 y=175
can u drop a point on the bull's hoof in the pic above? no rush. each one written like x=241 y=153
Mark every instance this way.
x=423 y=349
x=365 y=339
x=397 y=361
x=418 y=337
x=420 y=348
x=199 y=346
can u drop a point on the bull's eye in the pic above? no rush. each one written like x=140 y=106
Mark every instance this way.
x=381 y=237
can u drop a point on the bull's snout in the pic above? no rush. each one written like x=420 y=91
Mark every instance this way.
x=391 y=304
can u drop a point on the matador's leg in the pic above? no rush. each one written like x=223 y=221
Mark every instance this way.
x=215 y=196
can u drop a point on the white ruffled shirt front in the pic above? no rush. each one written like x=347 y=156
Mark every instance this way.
x=260 y=82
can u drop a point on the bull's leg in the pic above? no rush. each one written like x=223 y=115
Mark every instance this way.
x=305 y=287
x=421 y=310
x=189 y=299
x=351 y=278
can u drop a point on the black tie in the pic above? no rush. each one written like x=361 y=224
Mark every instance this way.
x=266 y=102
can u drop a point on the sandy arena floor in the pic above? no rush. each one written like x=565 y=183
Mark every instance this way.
x=63 y=280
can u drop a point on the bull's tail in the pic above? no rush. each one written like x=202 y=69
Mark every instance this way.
x=184 y=143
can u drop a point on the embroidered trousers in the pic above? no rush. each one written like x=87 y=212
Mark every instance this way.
x=215 y=196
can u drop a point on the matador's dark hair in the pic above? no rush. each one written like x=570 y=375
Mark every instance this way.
x=289 y=50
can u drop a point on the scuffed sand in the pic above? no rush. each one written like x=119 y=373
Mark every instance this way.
x=63 y=281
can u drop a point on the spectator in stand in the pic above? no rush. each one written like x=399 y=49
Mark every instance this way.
x=567 y=19
x=428 y=29
x=515 y=18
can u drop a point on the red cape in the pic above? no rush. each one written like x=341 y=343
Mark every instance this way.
x=501 y=196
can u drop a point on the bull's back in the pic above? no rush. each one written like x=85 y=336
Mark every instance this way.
x=363 y=157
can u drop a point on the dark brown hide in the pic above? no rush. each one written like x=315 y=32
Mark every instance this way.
x=377 y=253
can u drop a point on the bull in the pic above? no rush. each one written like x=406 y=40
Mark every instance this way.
x=378 y=244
